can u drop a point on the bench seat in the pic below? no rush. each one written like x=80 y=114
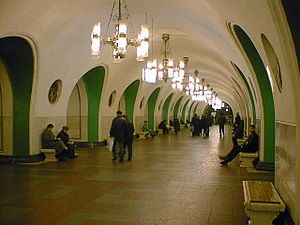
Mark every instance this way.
x=142 y=135
x=241 y=141
x=262 y=202
x=49 y=153
x=247 y=159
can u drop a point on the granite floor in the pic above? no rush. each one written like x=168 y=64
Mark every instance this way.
x=172 y=180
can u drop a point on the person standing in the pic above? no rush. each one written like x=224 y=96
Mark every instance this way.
x=176 y=124
x=221 y=122
x=49 y=141
x=118 y=132
x=237 y=118
x=64 y=136
x=129 y=137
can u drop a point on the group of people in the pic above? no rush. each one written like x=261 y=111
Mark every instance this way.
x=64 y=148
x=200 y=126
x=175 y=123
x=122 y=131
x=251 y=145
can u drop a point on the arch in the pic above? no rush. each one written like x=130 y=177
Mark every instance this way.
x=93 y=81
x=194 y=111
x=190 y=111
x=268 y=111
x=184 y=110
x=166 y=107
x=273 y=61
x=151 y=107
x=77 y=112
x=130 y=96
x=250 y=91
x=16 y=54
x=176 y=107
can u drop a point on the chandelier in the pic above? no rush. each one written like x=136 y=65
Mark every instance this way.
x=120 y=39
x=166 y=66
x=166 y=69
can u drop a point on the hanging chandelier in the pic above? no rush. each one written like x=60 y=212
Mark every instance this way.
x=166 y=66
x=120 y=39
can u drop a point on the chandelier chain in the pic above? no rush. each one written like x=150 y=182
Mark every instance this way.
x=129 y=19
x=110 y=17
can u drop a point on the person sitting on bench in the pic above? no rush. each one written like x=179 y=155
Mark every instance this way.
x=163 y=126
x=251 y=145
x=64 y=136
x=145 y=128
x=49 y=141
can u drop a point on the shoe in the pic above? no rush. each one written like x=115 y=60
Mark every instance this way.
x=121 y=160
x=60 y=158
x=222 y=157
x=224 y=163
x=128 y=159
x=115 y=158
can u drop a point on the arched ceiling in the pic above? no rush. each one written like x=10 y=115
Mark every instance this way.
x=198 y=29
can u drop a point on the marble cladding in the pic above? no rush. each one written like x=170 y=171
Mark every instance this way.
x=7 y=136
x=105 y=123
x=139 y=121
x=285 y=164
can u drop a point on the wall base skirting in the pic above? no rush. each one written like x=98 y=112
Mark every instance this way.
x=267 y=166
x=10 y=159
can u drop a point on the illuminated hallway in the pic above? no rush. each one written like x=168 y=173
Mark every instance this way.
x=173 y=180
x=76 y=63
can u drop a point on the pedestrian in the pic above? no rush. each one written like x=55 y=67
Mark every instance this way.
x=118 y=132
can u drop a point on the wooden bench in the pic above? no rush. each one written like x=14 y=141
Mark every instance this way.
x=143 y=135
x=247 y=159
x=241 y=141
x=262 y=202
x=49 y=153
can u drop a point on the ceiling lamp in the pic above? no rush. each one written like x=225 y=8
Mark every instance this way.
x=149 y=73
x=166 y=66
x=120 y=39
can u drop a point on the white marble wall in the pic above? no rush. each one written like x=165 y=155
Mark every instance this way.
x=105 y=124
x=285 y=164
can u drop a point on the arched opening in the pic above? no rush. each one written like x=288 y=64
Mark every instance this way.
x=190 y=115
x=77 y=112
x=165 y=111
x=183 y=114
x=16 y=77
x=93 y=81
x=274 y=69
x=176 y=107
x=151 y=108
x=268 y=111
x=122 y=104
x=127 y=101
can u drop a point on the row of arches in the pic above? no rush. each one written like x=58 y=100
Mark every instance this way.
x=83 y=116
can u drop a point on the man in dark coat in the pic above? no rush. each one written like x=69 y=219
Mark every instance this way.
x=163 y=126
x=237 y=118
x=251 y=145
x=129 y=137
x=49 y=141
x=118 y=132
x=176 y=124
x=221 y=122
x=64 y=136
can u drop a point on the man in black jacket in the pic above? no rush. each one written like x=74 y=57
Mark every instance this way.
x=118 y=132
x=129 y=137
x=64 y=137
x=251 y=145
